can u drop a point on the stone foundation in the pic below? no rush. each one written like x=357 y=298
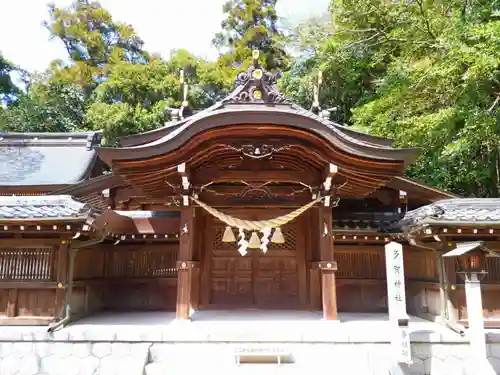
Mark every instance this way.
x=356 y=347
x=67 y=356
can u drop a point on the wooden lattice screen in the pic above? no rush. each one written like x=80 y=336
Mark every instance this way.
x=142 y=262
x=27 y=264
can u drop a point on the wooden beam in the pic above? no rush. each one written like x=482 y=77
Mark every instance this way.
x=28 y=242
x=285 y=176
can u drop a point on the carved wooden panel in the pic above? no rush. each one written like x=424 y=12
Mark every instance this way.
x=256 y=278
x=27 y=264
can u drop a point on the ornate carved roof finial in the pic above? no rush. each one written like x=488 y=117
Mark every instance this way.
x=315 y=108
x=256 y=85
x=179 y=113
x=255 y=56
x=184 y=93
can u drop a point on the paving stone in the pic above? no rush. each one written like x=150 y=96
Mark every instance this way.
x=22 y=349
x=101 y=349
x=43 y=349
x=130 y=365
x=82 y=349
x=29 y=365
x=51 y=365
x=121 y=349
x=89 y=366
x=9 y=366
x=6 y=349
x=62 y=349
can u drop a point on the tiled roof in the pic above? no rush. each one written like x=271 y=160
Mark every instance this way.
x=461 y=210
x=42 y=207
x=31 y=159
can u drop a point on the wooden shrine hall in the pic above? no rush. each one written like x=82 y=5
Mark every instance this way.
x=254 y=202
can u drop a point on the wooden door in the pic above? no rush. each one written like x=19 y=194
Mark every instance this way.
x=256 y=279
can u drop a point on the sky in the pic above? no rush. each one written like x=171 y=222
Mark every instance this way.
x=162 y=24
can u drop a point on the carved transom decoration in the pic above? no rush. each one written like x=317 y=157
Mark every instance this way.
x=256 y=85
x=258 y=152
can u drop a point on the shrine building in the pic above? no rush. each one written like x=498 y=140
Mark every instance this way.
x=252 y=203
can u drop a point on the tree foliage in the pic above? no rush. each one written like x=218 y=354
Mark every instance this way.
x=8 y=89
x=46 y=108
x=425 y=73
x=251 y=25
x=94 y=42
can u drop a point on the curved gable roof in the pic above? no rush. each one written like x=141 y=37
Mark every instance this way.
x=278 y=114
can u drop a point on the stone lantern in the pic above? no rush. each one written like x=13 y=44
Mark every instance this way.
x=471 y=266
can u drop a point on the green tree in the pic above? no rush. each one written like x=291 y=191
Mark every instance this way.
x=251 y=25
x=425 y=73
x=134 y=97
x=8 y=89
x=94 y=42
x=45 y=108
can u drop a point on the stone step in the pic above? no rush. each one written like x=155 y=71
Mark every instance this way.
x=250 y=369
x=299 y=358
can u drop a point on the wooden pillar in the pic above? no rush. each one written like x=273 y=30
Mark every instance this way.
x=61 y=271
x=327 y=264
x=186 y=266
x=451 y=292
x=12 y=303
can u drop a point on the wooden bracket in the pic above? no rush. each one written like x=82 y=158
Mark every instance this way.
x=326 y=265
x=186 y=184
x=187 y=264
x=330 y=171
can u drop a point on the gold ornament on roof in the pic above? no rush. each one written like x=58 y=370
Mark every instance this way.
x=257 y=94
x=257 y=73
